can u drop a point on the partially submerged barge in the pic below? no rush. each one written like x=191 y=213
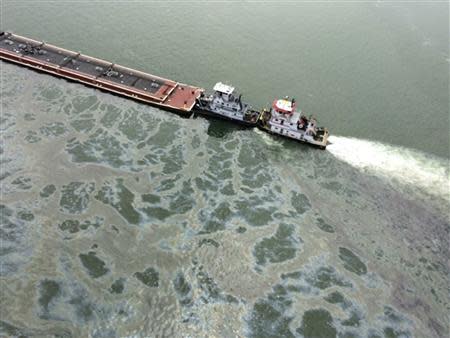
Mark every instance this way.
x=148 y=88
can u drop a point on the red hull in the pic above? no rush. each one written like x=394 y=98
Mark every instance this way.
x=128 y=82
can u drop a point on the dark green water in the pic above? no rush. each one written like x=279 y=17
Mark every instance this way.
x=119 y=219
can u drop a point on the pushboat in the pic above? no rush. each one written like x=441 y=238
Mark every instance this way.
x=225 y=104
x=286 y=120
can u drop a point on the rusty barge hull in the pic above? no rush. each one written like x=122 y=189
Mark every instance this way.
x=154 y=90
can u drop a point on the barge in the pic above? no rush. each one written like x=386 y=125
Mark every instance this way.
x=104 y=75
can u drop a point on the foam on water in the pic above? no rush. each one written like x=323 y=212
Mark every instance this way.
x=408 y=166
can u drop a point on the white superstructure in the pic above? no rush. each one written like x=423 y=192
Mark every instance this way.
x=224 y=103
x=223 y=88
x=284 y=119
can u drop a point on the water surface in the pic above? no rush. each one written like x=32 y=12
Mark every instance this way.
x=119 y=219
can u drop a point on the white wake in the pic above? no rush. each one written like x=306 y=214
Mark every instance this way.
x=408 y=166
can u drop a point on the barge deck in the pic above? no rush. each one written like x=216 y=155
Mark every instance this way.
x=104 y=75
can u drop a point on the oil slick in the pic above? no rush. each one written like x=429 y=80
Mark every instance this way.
x=134 y=222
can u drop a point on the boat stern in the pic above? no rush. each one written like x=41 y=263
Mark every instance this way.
x=321 y=138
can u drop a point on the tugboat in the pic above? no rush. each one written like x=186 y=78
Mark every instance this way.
x=284 y=119
x=226 y=105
